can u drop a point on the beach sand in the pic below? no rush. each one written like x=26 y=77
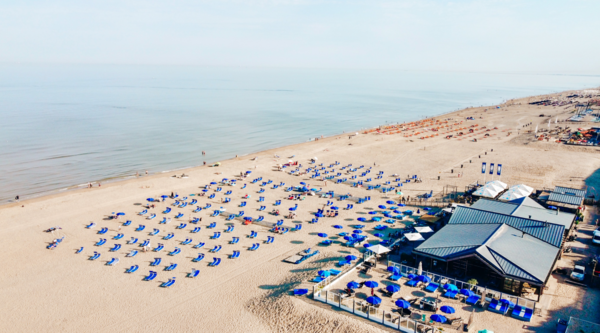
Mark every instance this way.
x=60 y=291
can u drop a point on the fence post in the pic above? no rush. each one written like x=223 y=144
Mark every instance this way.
x=340 y=300
x=353 y=305
x=368 y=310
x=383 y=317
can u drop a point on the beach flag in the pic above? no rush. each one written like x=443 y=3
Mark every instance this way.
x=483 y=167
x=492 y=169
x=499 y=169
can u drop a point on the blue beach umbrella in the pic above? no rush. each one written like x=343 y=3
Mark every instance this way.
x=438 y=318
x=393 y=269
x=348 y=238
x=450 y=286
x=120 y=214
x=213 y=183
x=390 y=202
x=324 y=273
x=411 y=276
x=334 y=207
x=353 y=285
x=367 y=245
x=337 y=226
x=467 y=292
x=393 y=288
x=374 y=300
x=371 y=284
x=322 y=235
x=302 y=183
x=372 y=212
x=382 y=207
x=402 y=304
x=319 y=215
x=357 y=232
x=150 y=199
x=447 y=309
x=377 y=219
x=164 y=196
x=350 y=257
x=248 y=171
x=361 y=219
x=379 y=235
x=359 y=226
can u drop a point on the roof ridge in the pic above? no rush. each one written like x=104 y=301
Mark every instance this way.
x=495 y=253
x=446 y=247
x=516 y=217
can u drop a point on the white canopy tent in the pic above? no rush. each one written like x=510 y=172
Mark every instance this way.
x=491 y=189
x=516 y=192
x=413 y=237
x=423 y=230
x=378 y=249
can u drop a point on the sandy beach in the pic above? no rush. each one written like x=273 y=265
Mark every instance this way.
x=60 y=291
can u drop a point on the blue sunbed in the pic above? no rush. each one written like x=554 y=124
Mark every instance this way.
x=199 y=258
x=150 y=276
x=432 y=287
x=522 y=313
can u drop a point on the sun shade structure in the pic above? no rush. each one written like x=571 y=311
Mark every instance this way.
x=423 y=230
x=490 y=189
x=413 y=237
x=378 y=249
x=516 y=192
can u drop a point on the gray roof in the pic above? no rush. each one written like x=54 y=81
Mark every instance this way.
x=510 y=251
x=565 y=199
x=570 y=191
x=548 y=232
x=526 y=208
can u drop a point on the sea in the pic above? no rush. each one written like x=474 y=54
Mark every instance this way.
x=62 y=126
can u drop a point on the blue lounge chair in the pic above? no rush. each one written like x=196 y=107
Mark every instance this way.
x=132 y=253
x=193 y=202
x=143 y=212
x=95 y=256
x=254 y=247
x=197 y=210
x=182 y=226
x=432 y=287
x=150 y=276
x=79 y=251
x=186 y=241
x=262 y=208
x=216 y=249
x=195 y=220
x=261 y=199
x=260 y=219
x=195 y=230
x=118 y=236
x=101 y=242
x=154 y=232
x=183 y=205
x=199 y=245
x=472 y=300
x=343 y=263
x=168 y=283
x=145 y=243
x=297 y=227
x=159 y=247
x=178 y=216
x=115 y=248
x=216 y=235
x=277 y=202
x=212 y=196
x=230 y=217
x=170 y=267
x=240 y=214
x=175 y=252
x=169 y=236
x=194 y=273
x=327 y=242
x=317 y=279
x=216 y=262
x=212 y=225
x=335 y=271
x=229 y=229
x=151 y=216
x=141 y=227
x=522 y=313
x=236 y=254
x=102 y=231
x=269 y=240
x=167 y=211
x=243 y=204
x=235 y=240
x=127 y=223
x=132 y=269
x=199 y=258
x=279 y=223
x=216 y=213
x=497 y=306
x=91 y=225
x=112 y=262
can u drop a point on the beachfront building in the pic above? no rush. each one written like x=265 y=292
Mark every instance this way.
x=570 y=199
x=501 y=251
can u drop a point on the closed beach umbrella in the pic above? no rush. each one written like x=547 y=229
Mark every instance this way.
x=438 y=318
x=351 y=257
x=324 y=273
x=447 y=309
x=337 y=226
x=353 y=285
x=450 y=286
x=372 y=213
x=467 y=292
x=213 y=183
x=120 y=214
x=393 y=288
x=393 y=269
x=164 y=196
x=362 y=219
x=357 y=231
x=402 y=304
x=371 y=284
x=374 y=300
x=322 y=235
x=380 y=235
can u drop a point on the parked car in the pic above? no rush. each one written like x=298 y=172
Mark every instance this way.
x=578 y=273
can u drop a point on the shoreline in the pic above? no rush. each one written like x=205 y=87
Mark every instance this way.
x=125 y=179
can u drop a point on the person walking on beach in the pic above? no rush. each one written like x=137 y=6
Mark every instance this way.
x=17 y=198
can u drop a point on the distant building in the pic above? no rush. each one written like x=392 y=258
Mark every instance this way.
x=567 y=198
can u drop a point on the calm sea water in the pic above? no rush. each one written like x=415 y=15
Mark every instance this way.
x=63 y=126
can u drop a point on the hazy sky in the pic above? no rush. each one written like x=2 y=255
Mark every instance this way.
x=502 y=35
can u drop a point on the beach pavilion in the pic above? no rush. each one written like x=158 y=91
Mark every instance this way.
x=491 y=189
x=502 y=252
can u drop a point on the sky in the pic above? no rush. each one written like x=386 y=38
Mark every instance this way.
x=500 y=36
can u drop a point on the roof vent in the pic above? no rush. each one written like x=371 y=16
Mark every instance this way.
x=530 y=217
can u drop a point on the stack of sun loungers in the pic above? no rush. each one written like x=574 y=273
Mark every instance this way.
x=236 y=254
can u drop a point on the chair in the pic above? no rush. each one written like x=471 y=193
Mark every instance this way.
x=79 y=250
x=187 y=241
x=522 y=313
x=497 y=306
x=182 y=226
x=91 y=225
x=112 y=262
x=132 y=269
x=216 y=235
x=269 y=240
x=235 y=240
x=432 y=287
x=140 y=228
x=169 y=236
x=145 y=243
x=132 y=253
x=170 y=267
x=102 y=231
x=254 y=247
x=150 y=276
x=229 y=229
x=199 y=258
x=95 y=256
x=175 y=252
x=199 y=245
x=194 y=273
x=236 y=254
x=216 y=262
x=212 y=225
x=253 y=234
x=154 y=232
x=413 y=283
x=101 y=242
x=168 y=283
x=115 y=248
x=159 y=248
x=216 y=249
